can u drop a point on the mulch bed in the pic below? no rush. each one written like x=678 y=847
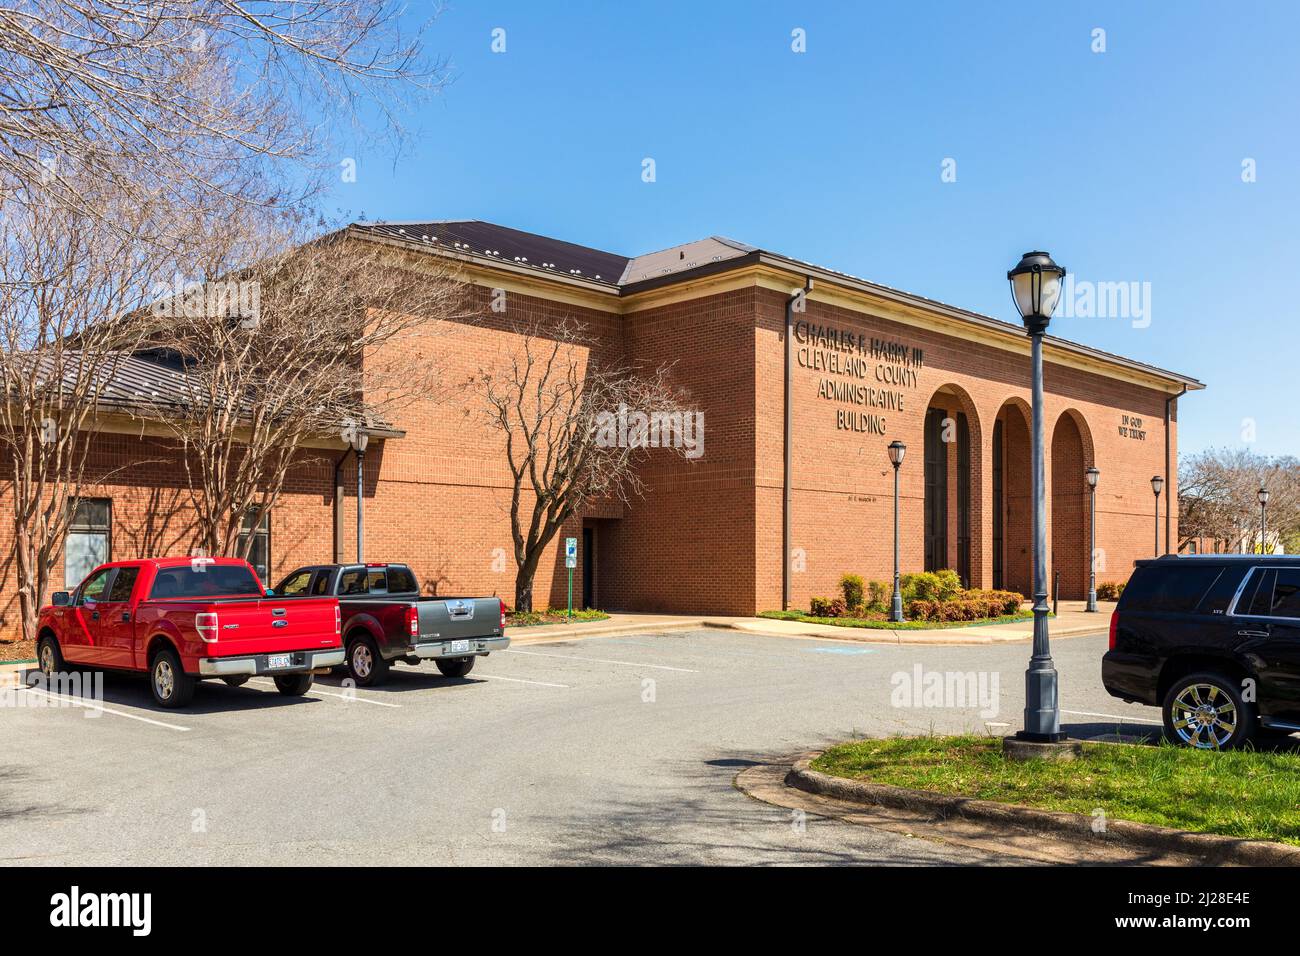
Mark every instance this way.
x=17 y=650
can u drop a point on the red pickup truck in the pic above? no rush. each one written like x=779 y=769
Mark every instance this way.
x=186 y=619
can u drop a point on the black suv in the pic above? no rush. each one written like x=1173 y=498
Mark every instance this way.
x=1214 y=640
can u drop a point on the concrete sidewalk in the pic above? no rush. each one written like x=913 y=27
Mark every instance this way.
x=1072 y=621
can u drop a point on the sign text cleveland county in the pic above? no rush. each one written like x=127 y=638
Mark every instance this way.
x=867 y=374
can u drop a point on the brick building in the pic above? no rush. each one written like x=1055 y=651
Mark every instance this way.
x=869 y=364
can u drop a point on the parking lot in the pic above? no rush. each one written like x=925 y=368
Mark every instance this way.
x=617 y=750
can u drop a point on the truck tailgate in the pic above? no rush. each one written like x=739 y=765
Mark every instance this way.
x=449 y=619
x=268 y=625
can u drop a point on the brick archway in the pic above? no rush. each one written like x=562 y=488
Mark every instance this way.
x=954 y=484
x=1071 y=456
x=1012 y=553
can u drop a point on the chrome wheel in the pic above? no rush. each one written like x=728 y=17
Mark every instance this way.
x=47 y=659
x=1204 y=716
x=362 y=661
x=164 y=679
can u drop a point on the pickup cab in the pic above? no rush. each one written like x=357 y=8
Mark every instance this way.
x=182 y=620
x=386 y=619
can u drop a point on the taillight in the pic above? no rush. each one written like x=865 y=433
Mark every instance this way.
x=413 y=620
x=338 y=621
x=1114 y=627
x=206 y=624
x=503 y=613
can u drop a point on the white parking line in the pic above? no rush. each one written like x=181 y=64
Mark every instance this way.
x=600 y=660
x=317 y=690
x=1127 y=720
x=518 y=680
x=100 y=707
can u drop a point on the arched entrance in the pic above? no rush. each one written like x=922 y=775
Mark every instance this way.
x=1070 y=555
x=951 y=482
x=1013 y=516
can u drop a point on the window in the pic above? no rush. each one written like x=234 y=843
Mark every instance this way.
x=89 y=538
x=1258 y=595
x=1218 y=597
x=1163 y=588
x=259 y=555
x=205 y=580
x=321 y=584
x=401 y=580
x=296 y=585
x=123 y=585
x=93 y=589
x=377 y=581
x=1286 y=593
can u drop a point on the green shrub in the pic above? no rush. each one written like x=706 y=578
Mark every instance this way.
x=949 y=584
x=819 y=607
x=878 y=594
x=852 y=588
x=1110 y=590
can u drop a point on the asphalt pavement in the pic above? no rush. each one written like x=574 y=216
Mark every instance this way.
x=608 y=750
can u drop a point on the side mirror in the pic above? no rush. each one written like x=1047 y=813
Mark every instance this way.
x=61 y=599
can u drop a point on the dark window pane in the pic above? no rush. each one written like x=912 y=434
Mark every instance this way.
x=1168 y=588
x=400 y=580
x=91 y=513
x=377 y=582
x=1286 y=593
x=206 y=581
x=1263 y=598
x=123 y=584
x=353 y=582
x=1220 y=594
x=322 y=583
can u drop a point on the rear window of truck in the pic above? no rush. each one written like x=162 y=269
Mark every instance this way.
x=1169 y=588
x=211 y=580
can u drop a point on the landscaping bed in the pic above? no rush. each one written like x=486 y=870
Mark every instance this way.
x=17 y=651
x=880 y=621
x=551 y=616
x=1242 y=793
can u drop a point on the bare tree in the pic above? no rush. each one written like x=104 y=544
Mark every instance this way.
x=65 y=282
x=314 y=341
x=193 y=96
x=1219 y=497
x=575 y=426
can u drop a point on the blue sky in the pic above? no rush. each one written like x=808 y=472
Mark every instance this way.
x=1127 y=165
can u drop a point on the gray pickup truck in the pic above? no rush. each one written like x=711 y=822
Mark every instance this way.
x=385 y=619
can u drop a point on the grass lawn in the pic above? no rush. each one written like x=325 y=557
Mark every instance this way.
x=1241 y=793
x=871 y=622
x=551 y=616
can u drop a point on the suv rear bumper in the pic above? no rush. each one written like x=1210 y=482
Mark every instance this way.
x=258 y=663
x=477 y=646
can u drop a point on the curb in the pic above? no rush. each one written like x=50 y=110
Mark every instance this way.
x=559 y=632
x=1213 y=848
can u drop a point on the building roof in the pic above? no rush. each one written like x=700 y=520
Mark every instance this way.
x=620 y=275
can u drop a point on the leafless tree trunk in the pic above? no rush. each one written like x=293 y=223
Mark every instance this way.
x=574 y=427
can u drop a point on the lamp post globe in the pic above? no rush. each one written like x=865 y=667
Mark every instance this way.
x=1035 y=289
x=896 y=452
x=1091 y=475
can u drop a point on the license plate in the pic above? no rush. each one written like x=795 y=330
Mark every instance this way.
x=279 y=660
x=458 y=647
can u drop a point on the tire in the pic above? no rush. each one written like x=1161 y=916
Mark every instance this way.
x=239 y=681
x=293 y=685
x=49 y=659
x=457 y=667
x=170 y=685
x=1205 y=710
x=366 y=666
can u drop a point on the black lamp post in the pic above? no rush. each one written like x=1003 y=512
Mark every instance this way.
x=1157 y=485
x=896 y=452
x=358 y=439
x=1263 y=519
x=1092 y=474
x=1036 y=287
